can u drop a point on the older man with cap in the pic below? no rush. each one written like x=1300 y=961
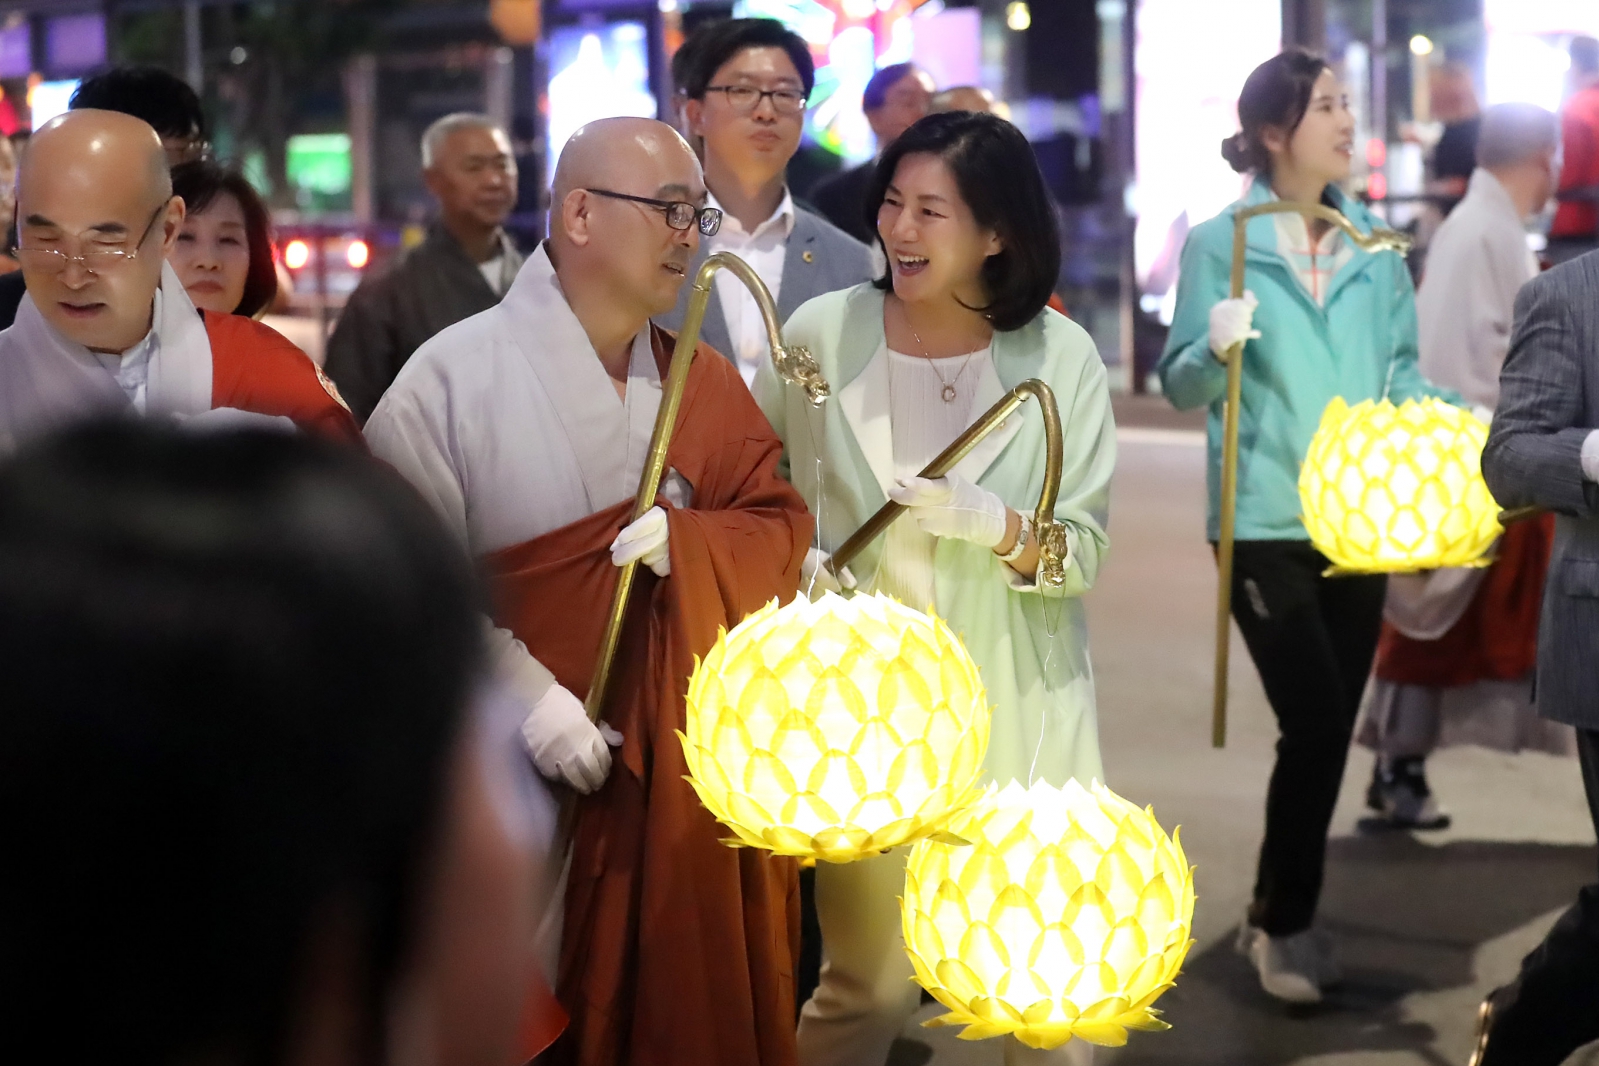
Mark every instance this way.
x=106 y=325
x=464 y=266
x=528 y=426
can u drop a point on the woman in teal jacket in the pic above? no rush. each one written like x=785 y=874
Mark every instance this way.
x=1321 y=319
x=966 y=225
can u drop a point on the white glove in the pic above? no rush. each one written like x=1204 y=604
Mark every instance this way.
x=953 y=507
x=644 y=540
x=565 y=745
x=816 y=578
x=1232 y=321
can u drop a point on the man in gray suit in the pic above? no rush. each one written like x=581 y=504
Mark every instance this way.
x=1543 y=451
x=743 y=86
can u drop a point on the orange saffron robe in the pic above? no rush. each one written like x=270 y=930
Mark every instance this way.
x=678 y=950
x=256 y=368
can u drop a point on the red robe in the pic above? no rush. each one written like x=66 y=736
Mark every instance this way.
x=677 y=950
x=256 y=368
x=1496 y=639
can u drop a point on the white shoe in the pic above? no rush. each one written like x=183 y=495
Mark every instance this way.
x=1290 y=967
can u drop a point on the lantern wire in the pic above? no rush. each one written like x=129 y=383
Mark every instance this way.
x=1051 y=629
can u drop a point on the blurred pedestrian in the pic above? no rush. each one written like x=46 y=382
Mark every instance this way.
x=1458 y=647
x=224 y=253
x=894 y=99
x=108 y=326
x=465 y=264
x=1543 y=450
x=1454 y=157
x=164 y=101
x=1575 y=228
x=967 y=98
x=256 y=807
x=1322 y=318
x=744 y=88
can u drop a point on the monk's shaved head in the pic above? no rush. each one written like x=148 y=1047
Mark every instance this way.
x=103 y=150
x=96 y=218
x=606 y=152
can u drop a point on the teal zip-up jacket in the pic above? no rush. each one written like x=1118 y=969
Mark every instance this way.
x=1360 y=345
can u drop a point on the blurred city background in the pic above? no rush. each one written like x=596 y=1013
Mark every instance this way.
x=322 y=103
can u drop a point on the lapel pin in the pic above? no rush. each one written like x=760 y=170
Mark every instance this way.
x=808 y=257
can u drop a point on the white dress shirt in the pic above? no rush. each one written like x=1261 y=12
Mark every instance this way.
x=764 y=250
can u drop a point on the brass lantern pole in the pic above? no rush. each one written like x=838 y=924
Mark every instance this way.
x=1378 y=240
x=794 y=365
x=1050 y=534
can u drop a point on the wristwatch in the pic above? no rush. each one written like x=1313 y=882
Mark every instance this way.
x=1023 y=535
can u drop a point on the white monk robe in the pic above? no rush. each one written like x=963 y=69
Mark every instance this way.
x=510 y=426
x=48 y=381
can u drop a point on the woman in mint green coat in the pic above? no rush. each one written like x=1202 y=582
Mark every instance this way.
x=1321 y=319
x=970 y=237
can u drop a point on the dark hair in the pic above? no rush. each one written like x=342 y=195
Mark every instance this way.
x=710 y=46
x=875 y=95
x=200 y=183
x=236 y=667
x=1277 y=93
x=163 y=100
x=998 y=177
x=1584 y=55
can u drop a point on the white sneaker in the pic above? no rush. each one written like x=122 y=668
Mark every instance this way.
x=1290 y=967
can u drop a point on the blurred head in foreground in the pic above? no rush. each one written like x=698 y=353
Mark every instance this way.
x=252 y=811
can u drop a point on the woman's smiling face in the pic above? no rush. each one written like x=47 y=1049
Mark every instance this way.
x=936 y=248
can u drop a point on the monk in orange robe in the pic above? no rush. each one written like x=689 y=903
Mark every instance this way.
x=106 y=326
x=528 y=426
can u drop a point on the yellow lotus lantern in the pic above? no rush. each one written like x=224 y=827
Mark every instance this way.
x=1390 y=489
x=1068 y=916
x=837 y=729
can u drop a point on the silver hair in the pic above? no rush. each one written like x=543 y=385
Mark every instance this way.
x=434 y=136
x=1515 y=133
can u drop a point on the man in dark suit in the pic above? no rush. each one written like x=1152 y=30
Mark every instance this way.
x=894 y=99
x=1543 y=450
x=743 y=85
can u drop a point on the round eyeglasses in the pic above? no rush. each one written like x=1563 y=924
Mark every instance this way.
x=94 y=260
x=680 y=214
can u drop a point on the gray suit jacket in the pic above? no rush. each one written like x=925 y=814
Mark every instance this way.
x=1548 y=403
x=819 y=258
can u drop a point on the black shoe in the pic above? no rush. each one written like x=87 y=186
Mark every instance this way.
x=1401 y=798
x=1487 y=1014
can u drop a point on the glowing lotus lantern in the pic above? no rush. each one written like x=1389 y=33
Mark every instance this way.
x=1390 y=489
x=1068 y=916
x=837 y=729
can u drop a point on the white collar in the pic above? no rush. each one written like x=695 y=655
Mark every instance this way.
x=135 y=361
x=783 y=217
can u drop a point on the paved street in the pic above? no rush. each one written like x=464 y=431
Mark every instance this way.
x=1425 y=925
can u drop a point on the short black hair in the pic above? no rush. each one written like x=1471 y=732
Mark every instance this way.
x=875 y=95
x=998 y=177
x=199 y=183
x=710 y=46
x=162 y=99
x=237 y=665
x=1276 y=93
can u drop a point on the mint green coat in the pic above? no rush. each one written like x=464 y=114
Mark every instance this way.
x=1359 y=344
x=1031 y=645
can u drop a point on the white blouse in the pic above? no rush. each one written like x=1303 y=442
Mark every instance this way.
x=923 y=425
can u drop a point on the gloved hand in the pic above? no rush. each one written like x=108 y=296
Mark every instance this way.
x=1232 y=321
x=644 y=540
x=565 y=745
x=816 y=579
x=953 y=507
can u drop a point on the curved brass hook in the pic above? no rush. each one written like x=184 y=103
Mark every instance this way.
x=1050 y=534
x=794 y=364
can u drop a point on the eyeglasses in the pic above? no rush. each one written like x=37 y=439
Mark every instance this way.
x=746 y=98
x=94 y=260
x=680 y=215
